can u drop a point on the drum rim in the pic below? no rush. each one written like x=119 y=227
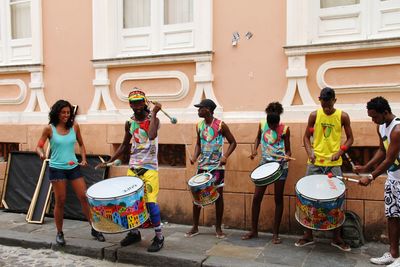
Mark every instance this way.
x=114 y=198
x=280 y=168
x=319 y=200
x=322 y=199
x=203 y=173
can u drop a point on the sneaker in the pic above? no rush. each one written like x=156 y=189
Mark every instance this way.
x=156 y=245
x=99 y=236
x=396 y=263
x=384 y=260
x=60 y=238
x=131 y=238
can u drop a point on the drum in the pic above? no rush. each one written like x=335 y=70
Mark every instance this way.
x=319 y=203
x=203 y=189
x=117 y=204
x=266 y=174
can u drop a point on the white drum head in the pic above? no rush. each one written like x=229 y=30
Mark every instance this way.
x=200 y=179
x=265 y=170
x=114 y=187
x=320 y=187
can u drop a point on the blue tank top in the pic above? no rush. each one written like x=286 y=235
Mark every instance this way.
x=62 y=149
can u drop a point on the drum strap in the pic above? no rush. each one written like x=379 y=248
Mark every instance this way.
x=139 y=171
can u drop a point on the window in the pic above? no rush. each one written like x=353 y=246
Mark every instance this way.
x=333 y=21
x=150 y=27
x=20 y=38
x=350 y=20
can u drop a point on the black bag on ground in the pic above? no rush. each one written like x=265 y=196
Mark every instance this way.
x=352 y=230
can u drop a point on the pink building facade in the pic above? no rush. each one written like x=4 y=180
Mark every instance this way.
x=241 y=55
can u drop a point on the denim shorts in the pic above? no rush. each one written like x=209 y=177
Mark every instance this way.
x=59 y=174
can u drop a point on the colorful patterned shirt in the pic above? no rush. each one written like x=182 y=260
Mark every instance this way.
x=211 y=143
x=143 y=151
x=272 y=142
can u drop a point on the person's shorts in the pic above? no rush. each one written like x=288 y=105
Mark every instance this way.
x=60 y=174
x=313 y=169
x=150 y=180
x=392 y=198
x=284 y=175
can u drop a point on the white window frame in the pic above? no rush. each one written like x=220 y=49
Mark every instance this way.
x=20 y=51
x=110 y=40
x=369 y=20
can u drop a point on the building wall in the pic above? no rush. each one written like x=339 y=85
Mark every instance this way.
x=242 y=79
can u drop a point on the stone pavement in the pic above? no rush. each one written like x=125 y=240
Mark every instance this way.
x=202 y=250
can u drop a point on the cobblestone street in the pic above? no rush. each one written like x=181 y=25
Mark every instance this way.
x=16 y=256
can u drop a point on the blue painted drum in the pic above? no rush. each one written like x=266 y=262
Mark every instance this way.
x=117 y=204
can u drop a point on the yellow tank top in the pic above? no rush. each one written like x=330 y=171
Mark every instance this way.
x=327 y=137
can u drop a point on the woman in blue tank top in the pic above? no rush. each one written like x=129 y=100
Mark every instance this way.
x=63 y=133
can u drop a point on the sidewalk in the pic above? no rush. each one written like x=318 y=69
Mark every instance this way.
x=202 y=250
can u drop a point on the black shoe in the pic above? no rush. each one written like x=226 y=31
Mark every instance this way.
x=99 y=236
x=156 y=245
x=60 y=239
x=131 y=238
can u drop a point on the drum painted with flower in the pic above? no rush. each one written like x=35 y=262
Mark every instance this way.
x=320 y=202
x=117 y=204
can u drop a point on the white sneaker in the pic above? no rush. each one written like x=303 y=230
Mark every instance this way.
x=396 y=263
x=385 y=259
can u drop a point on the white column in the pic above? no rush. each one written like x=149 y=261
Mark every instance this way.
x=297 y=78
x=101 y=85
x=37 y=96
x=203 y=79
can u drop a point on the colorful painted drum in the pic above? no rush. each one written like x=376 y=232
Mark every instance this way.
x=266 y=174
x=203 y=190
x=320 y=201
x=117 y=204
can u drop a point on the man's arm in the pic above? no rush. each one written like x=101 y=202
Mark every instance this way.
x=307 y=136
x=154 y=121
x=231 y=140
x=197 y=149
x=349 y=136
x=391 y=154
x=378 y=157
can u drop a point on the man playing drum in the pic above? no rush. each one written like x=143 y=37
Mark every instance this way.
x=210 y=141
x=275 y=140
x=142 y=130
x=386 y=159
x=324 y=155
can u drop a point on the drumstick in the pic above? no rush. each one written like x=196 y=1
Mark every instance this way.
x=344 y=148
x=282 y=157
x=330 y=175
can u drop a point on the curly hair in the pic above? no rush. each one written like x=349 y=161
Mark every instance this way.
x=55 y=112
x=274 y=107
x=379 y=104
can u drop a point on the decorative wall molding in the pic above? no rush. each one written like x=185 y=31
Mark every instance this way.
x=203 y=80
x=153 y=75
x=354 y=63
x=22 y=92
x=297 y=79
x=300 y=50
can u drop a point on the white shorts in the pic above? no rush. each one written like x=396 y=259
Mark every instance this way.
x=392 y=198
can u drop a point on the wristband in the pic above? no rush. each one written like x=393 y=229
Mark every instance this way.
x=343 y=148
x=41 y=143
